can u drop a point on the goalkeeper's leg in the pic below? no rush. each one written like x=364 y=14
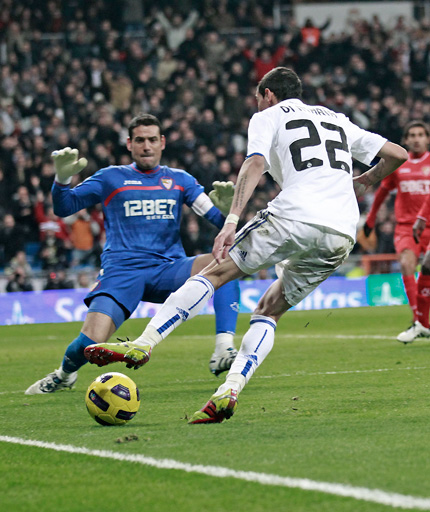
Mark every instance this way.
x=103 y=318
x=226 y=305
x=180 y=306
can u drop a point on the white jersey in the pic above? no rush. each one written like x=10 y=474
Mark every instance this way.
x=308 y=152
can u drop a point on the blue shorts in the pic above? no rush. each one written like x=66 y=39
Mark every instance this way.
x=132 y=280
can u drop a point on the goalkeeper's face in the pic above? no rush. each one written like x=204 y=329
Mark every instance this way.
x=146 y=146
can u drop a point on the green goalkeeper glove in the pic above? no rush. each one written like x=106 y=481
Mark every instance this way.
x=222 y=195
x=67 y=164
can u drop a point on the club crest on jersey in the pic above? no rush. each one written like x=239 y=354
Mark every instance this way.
x=425 y=170
x=167 y=183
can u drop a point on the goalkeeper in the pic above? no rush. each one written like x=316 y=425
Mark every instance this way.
x=143 y=258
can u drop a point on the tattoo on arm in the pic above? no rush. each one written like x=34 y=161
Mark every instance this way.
x=241 y=187
x=377 y=172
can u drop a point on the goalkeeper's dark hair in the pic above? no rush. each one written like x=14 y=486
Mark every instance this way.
x=143 y=120
x=417 y=123
x=283 y=82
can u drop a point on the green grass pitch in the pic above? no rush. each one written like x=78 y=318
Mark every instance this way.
x=338 y=400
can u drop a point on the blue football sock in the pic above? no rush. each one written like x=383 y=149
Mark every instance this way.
x=74 y=356
x=226 y=305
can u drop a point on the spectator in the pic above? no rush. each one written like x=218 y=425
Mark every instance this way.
x=22 y=210
x=52 y=253
x=311 y=34
x=12 y=238
x=58 y=281
x=176 y=27
x=46 y=219
x=19 y=282
x=84 y=280
x=233 y=108
x=167 y=66
x=264 y=60
x=214 y=49
x=82 y=232
x=20 y=261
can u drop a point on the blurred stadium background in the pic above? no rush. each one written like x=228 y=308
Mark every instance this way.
x=74 y=72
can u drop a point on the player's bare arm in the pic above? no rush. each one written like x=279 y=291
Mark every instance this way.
x=418 y=228
x=391 y=156
x=421 y=220
x=249 y=176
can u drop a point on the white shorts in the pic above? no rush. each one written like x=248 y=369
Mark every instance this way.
x=304 y=254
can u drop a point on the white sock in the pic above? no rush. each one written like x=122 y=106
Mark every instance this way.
x=256 y=345
x=180 y=306
x=234 y=381
x=64 y=375
x=223 y=341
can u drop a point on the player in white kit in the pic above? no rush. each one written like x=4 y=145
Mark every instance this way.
x=307 y=231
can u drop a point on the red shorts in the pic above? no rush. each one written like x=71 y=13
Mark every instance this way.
x=404 y=239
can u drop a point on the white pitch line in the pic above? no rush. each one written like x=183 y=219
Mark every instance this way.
x=33 y=338
x=339 y=336
x=349 y=491
x=341 y=372
x=306 y=374
x=283 y=375
x=312 y=336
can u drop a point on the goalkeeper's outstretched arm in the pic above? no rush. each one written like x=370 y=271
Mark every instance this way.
x=216 y=206
x=67 y=201
x=67 y=163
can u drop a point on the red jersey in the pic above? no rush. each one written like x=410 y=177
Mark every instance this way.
x=412 y=181
x=424 y=212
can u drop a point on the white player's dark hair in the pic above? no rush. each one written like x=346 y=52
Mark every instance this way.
x=283 y=82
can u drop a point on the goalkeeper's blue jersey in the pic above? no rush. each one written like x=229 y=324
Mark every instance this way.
x=142 y=210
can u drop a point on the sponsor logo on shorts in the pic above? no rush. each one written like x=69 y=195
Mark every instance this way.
x=243 y=255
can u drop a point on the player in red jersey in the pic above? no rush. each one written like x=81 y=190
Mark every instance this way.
x=412 y=181
x=423 y=283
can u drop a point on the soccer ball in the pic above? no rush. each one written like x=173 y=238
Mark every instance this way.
x=112 y=399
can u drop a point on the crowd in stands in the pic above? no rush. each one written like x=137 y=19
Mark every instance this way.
x=75 y=73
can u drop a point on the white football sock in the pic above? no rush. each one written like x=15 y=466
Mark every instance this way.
x=223 y=341
x=182 y=305
x=256 y=345
x=64 y=375
x=233 y=381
